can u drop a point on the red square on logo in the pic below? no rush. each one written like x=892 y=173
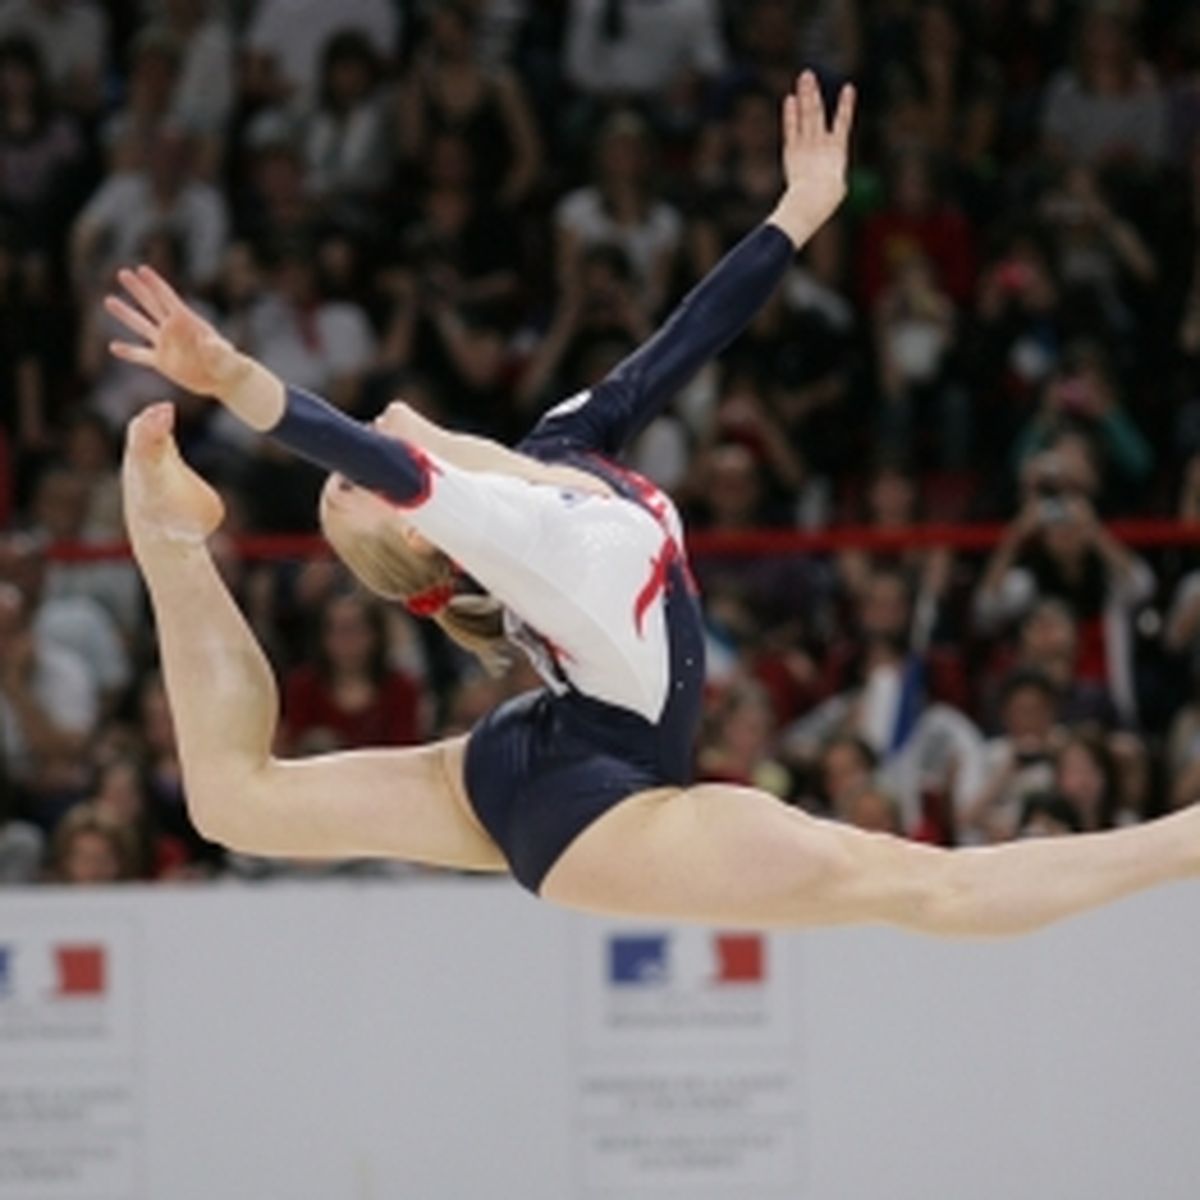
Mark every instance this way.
x=740 y=958
x=80 y=970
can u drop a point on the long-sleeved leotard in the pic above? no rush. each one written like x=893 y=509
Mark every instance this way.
x=595 y=586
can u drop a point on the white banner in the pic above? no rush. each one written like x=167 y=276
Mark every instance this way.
x=71 y=1112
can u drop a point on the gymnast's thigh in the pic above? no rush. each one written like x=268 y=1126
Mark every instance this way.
x=712 y=853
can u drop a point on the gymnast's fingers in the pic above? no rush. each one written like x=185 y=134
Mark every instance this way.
x=843 y=120
x=812 y=107
x=131 y=318
x=791 y=120
x=143 y=356
x=163 y=291
x=140 y=291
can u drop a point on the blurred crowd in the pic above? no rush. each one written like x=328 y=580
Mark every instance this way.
x=480 y=206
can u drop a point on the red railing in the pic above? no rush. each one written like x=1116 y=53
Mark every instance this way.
x=745 y=543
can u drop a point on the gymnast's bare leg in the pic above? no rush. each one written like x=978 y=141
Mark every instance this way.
x=406 y=803
x=730 y=855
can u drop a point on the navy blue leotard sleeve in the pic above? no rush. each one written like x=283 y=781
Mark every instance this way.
x=712 y=314
x=314 y=429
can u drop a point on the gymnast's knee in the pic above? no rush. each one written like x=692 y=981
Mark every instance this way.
x=221 y=804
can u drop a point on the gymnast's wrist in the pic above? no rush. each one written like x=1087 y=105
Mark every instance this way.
x=790 y=217
x=251 y=392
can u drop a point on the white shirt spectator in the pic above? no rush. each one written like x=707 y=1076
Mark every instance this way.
x=204 y=92
x=1091 y=128
x=583 y=213
x=72 y=36
x=338 y=341
x=78 y=624
x=294 y=33
x=126 y=211
x=348 y=155
x=660 y=40
x=62 y=687
x=21 y=849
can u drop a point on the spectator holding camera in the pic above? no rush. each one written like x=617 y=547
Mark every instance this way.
x=1057 y=547
x=1080 y=401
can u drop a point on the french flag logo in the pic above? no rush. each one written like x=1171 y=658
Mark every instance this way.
x=648 y=961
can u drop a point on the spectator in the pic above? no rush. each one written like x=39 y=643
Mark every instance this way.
x=738 y=747
x=130 y=133
x=621 y=208
x=1057 y=547
x=449 y=91
x=76 y=624
x=204 y=95
x=89 y=849
x=918 y=216
x=914 y=334
x=1019 y=764
x=285 y=39
x=641 y=47
x=312 y=340
x=1086 y=776
x=129 y=206
x=1107 y=107
x=48 y=710
x=346 y=136
x=59 y=510
x=41 y=153
x=1047 y=814
x=72 y=36
x=349 y=693
x=121 y=798
x=21 y=843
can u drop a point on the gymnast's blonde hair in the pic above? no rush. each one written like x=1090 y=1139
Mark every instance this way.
x=385 y=563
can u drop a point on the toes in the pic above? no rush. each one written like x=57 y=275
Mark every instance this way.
x=151 y=426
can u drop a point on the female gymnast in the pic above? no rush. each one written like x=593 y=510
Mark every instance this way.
x=581 y=789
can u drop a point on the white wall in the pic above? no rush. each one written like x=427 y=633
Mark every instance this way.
x=452 y=1039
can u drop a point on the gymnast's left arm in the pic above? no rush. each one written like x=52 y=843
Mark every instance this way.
x=729 y=297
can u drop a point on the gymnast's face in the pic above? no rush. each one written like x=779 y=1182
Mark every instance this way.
x=347 y=509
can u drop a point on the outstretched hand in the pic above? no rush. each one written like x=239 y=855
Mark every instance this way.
x=815 y=155
x=180 y=344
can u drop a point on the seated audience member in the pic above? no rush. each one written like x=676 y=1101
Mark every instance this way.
x=21 y=843
x=48 y=710
x=76 y=623
x=122 y=798
x=1107 y=106
x=284 y=40
x=623 y=207
x=42 y=153
x=916 y=216
x=739 y=745
x=638 y=49
x=450 y=90
x=345 y=136
x=88 y=848
x=1080 y=403
x=73 y=39
x=1047 y=814
x=1048 y=642
x=1085 y=773
x=165 y=193
x=59 y=515
x=348 y=692
x=1058 y=548
x=1018 y=763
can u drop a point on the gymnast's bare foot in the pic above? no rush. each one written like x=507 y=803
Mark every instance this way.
x=166 y=502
